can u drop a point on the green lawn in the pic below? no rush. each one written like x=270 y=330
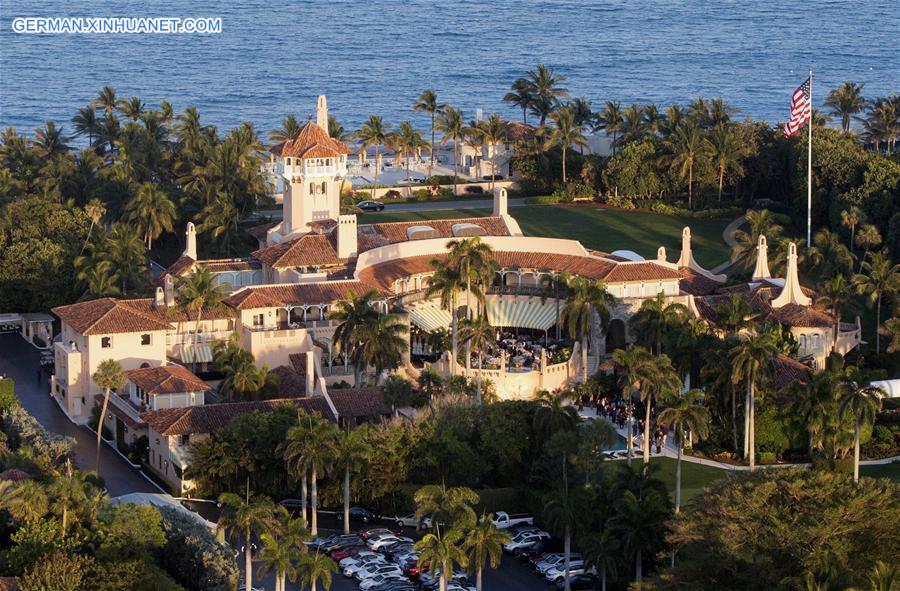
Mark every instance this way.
x=600 y=229
x=694 y=477
x=891 y=471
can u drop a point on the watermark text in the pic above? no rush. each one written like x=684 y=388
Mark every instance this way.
x=116 y=25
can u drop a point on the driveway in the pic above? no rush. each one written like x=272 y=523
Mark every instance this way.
x=20 y=361
x=277 y=214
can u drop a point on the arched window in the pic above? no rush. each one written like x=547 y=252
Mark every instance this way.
x=324 y=188
x=288 y=161
x=802 y=342
x=312 y=188
x=816 y=342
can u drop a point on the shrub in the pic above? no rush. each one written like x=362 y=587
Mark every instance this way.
x=7 y=395
x=59 y=572
x=24 y=430
x=562 y=195
x=392 y=194
x=475 y=190
x=445 y=193
x=441 y=179
x=421 y=194
x=620 y=202
x=542 y=200
x=193 y=556
x=662 y=207
x=767 y=457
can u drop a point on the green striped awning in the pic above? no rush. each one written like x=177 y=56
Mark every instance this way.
x=429 y=316
x=196 y=353
x=523 y=313
x=182 y=456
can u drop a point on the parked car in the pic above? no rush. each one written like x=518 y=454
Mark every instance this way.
x=503 y=520
x=361 y=557
x=377 y=580
x=361 y=514
x=526 y=540
x=381 y=542
x=375 y=569
x=370 y=206
x=412 y=521
x=351 y=570
x=374 y=531
x=576 y=567
x=578 y=582
x=292 y=505
x=555 y=560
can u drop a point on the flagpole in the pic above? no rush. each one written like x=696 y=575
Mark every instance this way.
x=809 y=166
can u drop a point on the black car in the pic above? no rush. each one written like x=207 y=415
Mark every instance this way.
x=341 y=542
x=361 y=514
x=370 y=206
x=292 y=505
x=578 y=582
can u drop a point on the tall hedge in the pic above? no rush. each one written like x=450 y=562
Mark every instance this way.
x=194 y=557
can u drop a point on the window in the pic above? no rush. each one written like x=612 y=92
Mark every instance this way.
x=288 y=161
x=802 y=342
x=312 y=188
x=257 y=319
x=324 y=188
x=145 y=339
x=106 y=342
x=184 y=439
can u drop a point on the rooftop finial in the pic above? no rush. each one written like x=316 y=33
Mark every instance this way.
x=761 y=271
x=322 y=113
x=791 y=293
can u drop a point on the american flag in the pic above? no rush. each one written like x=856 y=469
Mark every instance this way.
x=800 y=109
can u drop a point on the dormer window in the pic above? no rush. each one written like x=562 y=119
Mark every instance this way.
x=288 y=161
x=145 y=339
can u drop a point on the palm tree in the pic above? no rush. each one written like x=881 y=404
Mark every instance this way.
x=350 y=451
x=85 y=122
x=685 y=146
x=867 y=239
x=638 y=370
x=197 y=292
x=586 y=298
x=441 y=552
x=428 y=103
x=316 y=567
x=132 y=108
x=879 y=279
x=520 y=96
x=289 y=130
x=245 y=381
x=601 y=550
x=568 y=132
x=336 y=130
x=836 y=294
x=636 y=523
x=381 y=343
x=563 y=511
x=828 y=253
x=882 y=124
x=245 y=516
x=310 y=445
x=861 y=399
x=724 y=152
x=26 y=501
x=278 y=554
x=684 y=413
x=452 y=127
x=410 y=141
x=67 y=493
x=846 y=101
x=665 y=383
x=884 y=577
x=447 y=281
x=152 y=212
x=762 y=223
x=447 y=506
x=494 y=132
x=109 y=376
x=610 y=120
x=546 y=89
x=484 y=544
x=655 y=319
x=106 y=100
x=752 y=359
x=478 y=334
x=374 y=132
x=850 y=218
x=552 y=415
x=50 y=141
x=95 y=211
x=352 y=313
x=471 y=257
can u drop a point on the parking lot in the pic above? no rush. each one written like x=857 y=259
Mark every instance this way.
x=513 y=574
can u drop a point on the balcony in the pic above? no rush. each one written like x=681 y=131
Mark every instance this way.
x=202 y=338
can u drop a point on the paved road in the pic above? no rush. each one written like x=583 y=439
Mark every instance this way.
x=20 y=361
x=392 y=207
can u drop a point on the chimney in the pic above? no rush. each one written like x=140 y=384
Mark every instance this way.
x=762 y=260
x=791 y=293
x=346 y=236
x=169 y=290
x=687 y=257
x=310 y=373
x=160 y=300
x=190 y=249
x=322 y=113
x=500 y=206
x=661 y=254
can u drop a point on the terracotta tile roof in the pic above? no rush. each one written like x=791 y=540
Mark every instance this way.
x=311 y=142
x=112 y=316
x=307 y=250
x=358 y=402
x=166 y=379
x=383 y=275
x=9 y=584
x=180 y=267
x=759 y=298
x=210 y=417
x=696 y=284
x=291 y=383
x=796 y=315
x=267 y=296
x=517 y=131
x=224 y=265
x=787 y=370
x=259 y=232
x=298 y=363
x=14 y=475
x=371 y=236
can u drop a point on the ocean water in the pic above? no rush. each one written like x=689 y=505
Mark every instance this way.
x=375 y=56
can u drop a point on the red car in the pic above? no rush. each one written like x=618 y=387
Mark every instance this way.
x=343 y=553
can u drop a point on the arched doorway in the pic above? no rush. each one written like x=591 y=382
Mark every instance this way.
x=615 y=336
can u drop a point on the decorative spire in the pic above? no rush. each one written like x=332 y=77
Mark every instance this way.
x=190 y=249
x=761 y=271
x=686 y=260
x=322 y=113
x=661 y=254
x=791 y=293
